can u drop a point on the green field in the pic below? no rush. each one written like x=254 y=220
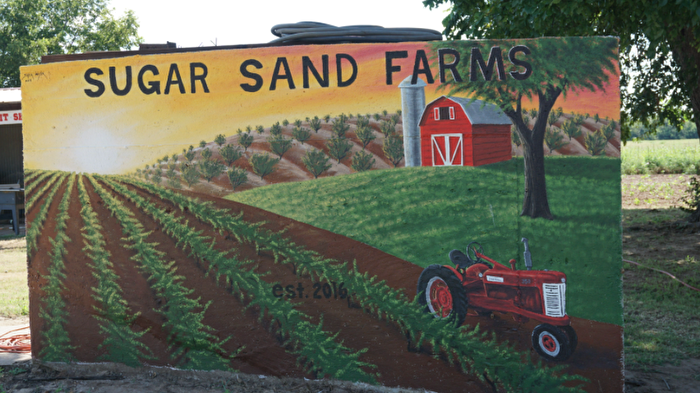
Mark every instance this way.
x=661 y=156
x=420 y=214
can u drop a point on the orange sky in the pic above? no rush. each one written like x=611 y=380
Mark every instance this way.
x=65 y=129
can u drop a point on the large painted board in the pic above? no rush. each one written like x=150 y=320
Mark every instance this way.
x=440 y=215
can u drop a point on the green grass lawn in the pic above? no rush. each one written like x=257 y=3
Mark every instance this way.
x=14 y=293
x=420 y=214
x=661 y=156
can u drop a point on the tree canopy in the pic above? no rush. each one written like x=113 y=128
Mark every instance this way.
x=556 y=66
x=30 y=29
x=659 y=44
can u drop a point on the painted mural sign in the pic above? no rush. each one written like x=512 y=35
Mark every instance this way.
x=439 y=215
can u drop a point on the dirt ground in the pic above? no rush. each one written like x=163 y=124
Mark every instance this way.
x=37 y=376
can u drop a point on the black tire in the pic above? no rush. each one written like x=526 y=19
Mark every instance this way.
x=571 y=335
x=551 y=343
x=442 y=294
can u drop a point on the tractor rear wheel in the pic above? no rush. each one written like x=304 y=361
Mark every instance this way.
x=551 y=343
x=442 y=294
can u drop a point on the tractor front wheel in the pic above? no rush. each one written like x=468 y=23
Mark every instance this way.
x=442 y=294
x=551 y=343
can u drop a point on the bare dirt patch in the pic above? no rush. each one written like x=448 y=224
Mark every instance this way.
x=653 y=231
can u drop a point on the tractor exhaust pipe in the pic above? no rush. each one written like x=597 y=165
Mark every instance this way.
x=526 y=254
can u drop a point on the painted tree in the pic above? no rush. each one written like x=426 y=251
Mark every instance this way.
x=316 y=162
x=210 y=169
x=315 y=124
x=202 y=143
x=244 y=139
x=340 y=126
x=393 y=148
x=279 y=145
x=263 y=164
x=220 y=139
x=301 y=134
x=365 y=135
x=237 y=177
x=230 y=154
x=276 y=129
x=190 y=174
x=338 y=148
x=571 y=129
x=557 y=65
x=205 y=154
x=554 y=139
x=260 y=129
x=362 y=161
x=595 y=143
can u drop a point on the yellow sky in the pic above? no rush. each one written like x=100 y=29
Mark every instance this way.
x=66 y=129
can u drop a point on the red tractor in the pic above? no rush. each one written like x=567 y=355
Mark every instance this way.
x=484 y=285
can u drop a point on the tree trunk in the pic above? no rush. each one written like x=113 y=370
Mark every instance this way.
x=535 y=201
x=688 y=58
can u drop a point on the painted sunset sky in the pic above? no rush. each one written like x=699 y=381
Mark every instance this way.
x=66 y=129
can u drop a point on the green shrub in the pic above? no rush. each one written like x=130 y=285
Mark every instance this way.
x=263 y=164
x=315 y=124
x=279 y=145
x=237 y=176
x=554 y=139
x=220 y=139
x=202 y=143
x=276 y=129
x=245 y=140
x=210 y=169
x=365 y=135
x=362 y=161
x=230 y=154
x=595 y=143
x=301 y=134
x=316 y=162
x=338 y=148
x=393 y=148
x=190 y=175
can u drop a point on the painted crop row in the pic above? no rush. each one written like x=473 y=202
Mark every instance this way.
x=470 y=349
x=191 y=343
x=56 y=346
x=34 y=228
x=121 y=343
x=322 y=354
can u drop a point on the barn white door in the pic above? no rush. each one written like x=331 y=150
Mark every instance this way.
x=448 y=149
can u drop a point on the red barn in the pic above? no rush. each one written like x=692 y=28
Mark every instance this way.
x=462 y=131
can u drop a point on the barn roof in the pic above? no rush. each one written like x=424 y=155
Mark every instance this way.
x=480 y=112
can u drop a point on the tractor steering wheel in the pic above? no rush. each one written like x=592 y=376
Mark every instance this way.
x=471 y=252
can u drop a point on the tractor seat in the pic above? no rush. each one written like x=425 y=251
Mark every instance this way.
x=460 y=259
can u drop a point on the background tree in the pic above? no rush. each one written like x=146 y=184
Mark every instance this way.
x=279 y=145
x=340 y=126
x=595 y=143
x=571 y=129
x=220 y=139
x=260 y=129
x=393 y=148
x=316 y=162
x=263 y=164
x=230 y=154
x=276 y=129
x=558 y=65
x=514 y=137
x=237 y=177
x=210 y=169
x=362 y=161
x=202 y=143
x=245 y=139
x=315 y=124
x=190 y=174
x=30 y=29
x=554 y=139
x=188 y=154
x=173 y=178
x=338 y=148
x=205 y=154
x=157 y=176
x=659 y=45
x=301 y=134
x=365 y=135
